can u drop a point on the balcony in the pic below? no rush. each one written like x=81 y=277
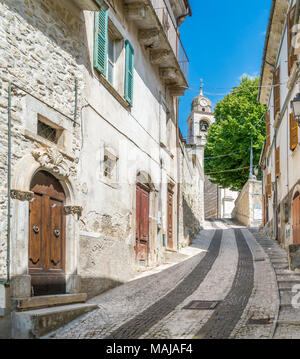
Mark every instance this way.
x=91 y=5
x=159 y=33
x=172 y=33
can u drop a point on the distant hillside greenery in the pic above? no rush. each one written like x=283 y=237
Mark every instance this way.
x=238 y=119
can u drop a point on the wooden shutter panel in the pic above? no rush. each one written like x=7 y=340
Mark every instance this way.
x=276 y=91
x=291 y=20
x=277 y=162
x=129 y=72
x=268 y=129
x=100 y=47
x=293 y=132
x=269 y=185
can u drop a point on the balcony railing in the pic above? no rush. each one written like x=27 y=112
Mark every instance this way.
x=172 y=32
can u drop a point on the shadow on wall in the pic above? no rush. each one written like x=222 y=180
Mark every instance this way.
x=191 y=224
x=95 y=286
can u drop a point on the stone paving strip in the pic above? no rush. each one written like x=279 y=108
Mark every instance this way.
x=121 y=304
x=137 y=326
x=185 y=323
x=287 y=321
x=228 y=312
x=258 y=317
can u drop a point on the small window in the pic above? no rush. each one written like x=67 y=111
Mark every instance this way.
x=47 y=132
x=110 y=167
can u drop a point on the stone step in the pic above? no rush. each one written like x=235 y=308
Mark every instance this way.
x=288 y=277
x=36 y=323
x=286 y=296
x=290 y=314
x=287 y=284
x=47 y=301
x=287 y=330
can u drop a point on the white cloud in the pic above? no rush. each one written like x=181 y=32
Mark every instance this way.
x=251 y=76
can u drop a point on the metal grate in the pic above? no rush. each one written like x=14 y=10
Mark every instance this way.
x=202 y=305
x=47 y=132
x=260 y=321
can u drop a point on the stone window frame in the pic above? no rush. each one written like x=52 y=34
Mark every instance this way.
x=107 y=151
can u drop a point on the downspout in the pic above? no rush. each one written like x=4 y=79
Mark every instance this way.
x=178 y=170
x=276 y=193
x=7 y=282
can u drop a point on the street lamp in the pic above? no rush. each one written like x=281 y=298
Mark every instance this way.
x=295 y=103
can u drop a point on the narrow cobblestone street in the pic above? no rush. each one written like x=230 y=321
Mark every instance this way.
x=242 y=271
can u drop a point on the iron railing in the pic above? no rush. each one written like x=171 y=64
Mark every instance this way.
x=172 y=32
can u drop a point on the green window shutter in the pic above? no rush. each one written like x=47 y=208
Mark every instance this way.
x=129 y=71
x=100 y=48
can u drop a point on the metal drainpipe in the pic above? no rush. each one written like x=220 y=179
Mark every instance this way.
x=178 y=171
x=7 y=282
x=276 y=193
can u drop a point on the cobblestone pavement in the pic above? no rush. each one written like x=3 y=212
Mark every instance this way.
x=245 y=272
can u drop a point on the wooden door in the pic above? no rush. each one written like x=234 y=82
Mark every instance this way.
x=296 y=219
x=170 y=220
x=46 y=260
x=142 y=224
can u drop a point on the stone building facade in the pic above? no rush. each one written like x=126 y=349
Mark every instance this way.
x=88 y=164
x=191 y=193
x=280 y=155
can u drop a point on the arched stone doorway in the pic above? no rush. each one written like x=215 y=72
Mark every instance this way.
x=296 y=218
x=47 y=223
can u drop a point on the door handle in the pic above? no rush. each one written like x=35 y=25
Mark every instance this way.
x=57 y=233
x=36 y=229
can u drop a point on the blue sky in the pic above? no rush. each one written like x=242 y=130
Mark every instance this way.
x=223 y=40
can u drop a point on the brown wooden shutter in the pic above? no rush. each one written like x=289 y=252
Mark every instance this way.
x=276 y=91
x=277 y=162
x=293 y=132
x=268 y=129
x=291 y=20
x=269 y=185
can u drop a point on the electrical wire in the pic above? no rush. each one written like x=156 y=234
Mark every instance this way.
x=226 y=171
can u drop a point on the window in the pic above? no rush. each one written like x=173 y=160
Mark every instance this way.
x=291 y=19
x=276 y=91
x=49 y=131
x=110 y=60
x=110 y=166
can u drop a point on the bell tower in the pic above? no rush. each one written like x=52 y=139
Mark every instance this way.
x=200 y=119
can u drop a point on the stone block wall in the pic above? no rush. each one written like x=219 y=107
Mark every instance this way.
x=41 y=50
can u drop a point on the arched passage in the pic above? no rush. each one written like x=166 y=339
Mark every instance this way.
x=46 y=249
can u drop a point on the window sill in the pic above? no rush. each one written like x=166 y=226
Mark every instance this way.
x=113 y=91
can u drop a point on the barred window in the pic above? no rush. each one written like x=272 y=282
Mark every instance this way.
x=46 y=131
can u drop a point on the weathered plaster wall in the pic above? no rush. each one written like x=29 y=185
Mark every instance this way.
x=248 y=206
x=192 y=195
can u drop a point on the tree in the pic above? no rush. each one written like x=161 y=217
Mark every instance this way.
x=239 y=118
